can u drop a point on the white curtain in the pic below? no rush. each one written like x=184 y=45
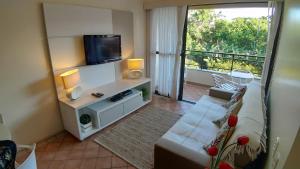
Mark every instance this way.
x=275 y=10
x=165 y=45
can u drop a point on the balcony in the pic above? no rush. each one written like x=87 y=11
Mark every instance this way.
x=200 y=64
x=224 y=62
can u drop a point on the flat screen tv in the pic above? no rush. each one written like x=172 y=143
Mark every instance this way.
x=102 y=48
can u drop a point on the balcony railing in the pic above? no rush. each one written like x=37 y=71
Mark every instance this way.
x=224 y=62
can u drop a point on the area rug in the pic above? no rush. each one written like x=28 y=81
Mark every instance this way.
x=133 y=138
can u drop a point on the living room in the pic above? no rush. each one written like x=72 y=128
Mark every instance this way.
x=43 y=40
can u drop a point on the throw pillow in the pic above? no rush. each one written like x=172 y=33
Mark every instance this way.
x=238 y=95
x=234 y=109
x=220 y=137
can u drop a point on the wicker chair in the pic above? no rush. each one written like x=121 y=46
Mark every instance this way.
x=223 y=83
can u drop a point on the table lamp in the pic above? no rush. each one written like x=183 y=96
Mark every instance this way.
x=135 y=67
x=71 y=81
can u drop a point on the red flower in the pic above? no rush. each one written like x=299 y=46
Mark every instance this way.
x=212 y=151
x=243 y=140
x=224 y=165
x=232 y=120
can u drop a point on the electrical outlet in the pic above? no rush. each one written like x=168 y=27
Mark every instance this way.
x=276 y=160
x=275 y=146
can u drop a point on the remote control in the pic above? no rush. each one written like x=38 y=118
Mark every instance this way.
x=97 y=94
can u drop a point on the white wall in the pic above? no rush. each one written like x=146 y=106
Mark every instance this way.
x=285 y=85
x=28 y=101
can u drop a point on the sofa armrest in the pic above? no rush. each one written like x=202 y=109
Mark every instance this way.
x=220 y=93
x=168 y=154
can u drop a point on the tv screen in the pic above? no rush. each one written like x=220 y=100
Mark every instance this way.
x=102 y=48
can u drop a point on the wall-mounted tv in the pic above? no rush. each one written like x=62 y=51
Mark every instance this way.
x=102 y=48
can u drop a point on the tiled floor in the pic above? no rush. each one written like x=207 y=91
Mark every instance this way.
x=193 y=92
x=64 y=151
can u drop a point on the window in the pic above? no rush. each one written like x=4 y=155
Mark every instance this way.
x=224 y=39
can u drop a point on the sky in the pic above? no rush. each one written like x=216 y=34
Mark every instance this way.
x=231 y=13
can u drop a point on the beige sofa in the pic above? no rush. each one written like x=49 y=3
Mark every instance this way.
x=182 y=146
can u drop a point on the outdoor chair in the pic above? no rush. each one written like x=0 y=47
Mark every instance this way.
x=223 y=83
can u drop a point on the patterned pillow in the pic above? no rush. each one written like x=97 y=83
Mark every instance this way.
x=220 y=137
x=233 y=109
x=238 y=95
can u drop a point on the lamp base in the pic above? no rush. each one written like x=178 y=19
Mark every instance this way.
x=74 y=93
x=135 y=74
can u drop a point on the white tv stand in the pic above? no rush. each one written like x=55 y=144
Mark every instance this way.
x=103 y=111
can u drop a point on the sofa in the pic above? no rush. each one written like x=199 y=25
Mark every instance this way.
x=182 y=146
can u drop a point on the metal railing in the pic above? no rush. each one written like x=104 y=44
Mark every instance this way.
x=224 y=62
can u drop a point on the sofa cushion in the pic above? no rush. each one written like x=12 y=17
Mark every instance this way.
x=234 y=109
x=195 y=129
x=210 y=108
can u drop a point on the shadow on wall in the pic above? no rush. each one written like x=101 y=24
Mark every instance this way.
x=44 y=119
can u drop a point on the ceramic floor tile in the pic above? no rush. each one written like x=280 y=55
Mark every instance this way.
x=92 y=145
x=73 y=155
x=103 y=163
x=89 y=163
x=62 y=155
x=79 y=146
x=52 y=146
x=102 y=152
x=91 y=153
x=193 y=92
x=43 y=164
x=118 y=162
x=72 y=164
x=57 y=164
x=47 y=155
x=65 y=146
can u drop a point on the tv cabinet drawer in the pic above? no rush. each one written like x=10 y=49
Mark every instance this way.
x=133 y=103
x=110 y=115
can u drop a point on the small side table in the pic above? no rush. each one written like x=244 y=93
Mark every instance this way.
x=242 y=76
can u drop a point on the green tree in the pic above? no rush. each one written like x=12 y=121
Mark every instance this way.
x=208 y=31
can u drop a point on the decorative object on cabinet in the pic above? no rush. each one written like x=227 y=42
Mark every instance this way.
x=71 y=80
x=135 y=67
x=86 y=122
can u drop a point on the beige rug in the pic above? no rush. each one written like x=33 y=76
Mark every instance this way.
x=133 y=138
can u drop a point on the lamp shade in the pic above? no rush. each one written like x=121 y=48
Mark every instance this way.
x=135 y=64
x=70 y=78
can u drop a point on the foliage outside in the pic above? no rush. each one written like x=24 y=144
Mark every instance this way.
x=213 y=41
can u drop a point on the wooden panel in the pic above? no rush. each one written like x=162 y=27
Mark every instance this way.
x=73 y=20
x=97 y=75
x=123 y=25
x=122 y=22
x=66 y=52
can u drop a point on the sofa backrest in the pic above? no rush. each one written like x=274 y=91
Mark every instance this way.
x=251 y=122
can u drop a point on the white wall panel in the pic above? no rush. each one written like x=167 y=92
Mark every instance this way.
x=73 y=20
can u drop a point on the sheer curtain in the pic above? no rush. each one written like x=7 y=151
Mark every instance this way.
x=165 y=46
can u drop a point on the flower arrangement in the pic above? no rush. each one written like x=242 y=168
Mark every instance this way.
x=216 y=151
